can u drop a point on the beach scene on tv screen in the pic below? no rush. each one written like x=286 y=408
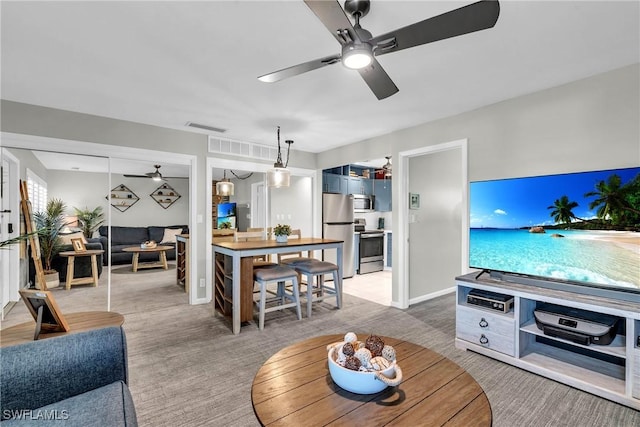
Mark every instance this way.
x=582 y=227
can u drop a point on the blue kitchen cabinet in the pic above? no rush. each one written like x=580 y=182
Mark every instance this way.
x=333 y=183
x=360 y=186
x=382 y=193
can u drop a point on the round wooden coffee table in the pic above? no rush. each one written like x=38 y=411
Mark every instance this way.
x=294 y=387
x=137 y=250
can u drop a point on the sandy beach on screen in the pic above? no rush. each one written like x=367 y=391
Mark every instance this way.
x=629 y=240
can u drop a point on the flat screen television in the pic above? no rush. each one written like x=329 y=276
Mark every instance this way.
x=226 y=209
x=574 y=231
x=226 y=215
x=227 y=222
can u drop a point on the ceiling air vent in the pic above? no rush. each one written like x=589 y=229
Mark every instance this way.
x=205 y=127
x=241 y=148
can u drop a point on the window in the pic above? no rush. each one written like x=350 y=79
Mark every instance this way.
x=37 y=189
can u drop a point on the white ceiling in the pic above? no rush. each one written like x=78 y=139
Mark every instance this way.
x=166 y=63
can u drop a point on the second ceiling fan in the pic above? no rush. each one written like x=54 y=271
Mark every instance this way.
x=155 y=175
x=359 y=47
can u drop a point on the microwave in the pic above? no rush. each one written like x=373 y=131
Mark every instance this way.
x=363 y=203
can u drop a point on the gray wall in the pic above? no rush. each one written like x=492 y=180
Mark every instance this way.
x=436 y=223
x=585 y=125
x=83 y=189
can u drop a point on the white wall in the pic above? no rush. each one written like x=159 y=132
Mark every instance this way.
x=82 y=189
x=293 y=205
x=436 y=223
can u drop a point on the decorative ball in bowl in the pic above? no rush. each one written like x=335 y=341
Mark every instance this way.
x=149 y=244
x=358 y=369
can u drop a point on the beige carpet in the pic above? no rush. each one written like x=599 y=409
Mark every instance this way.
x=188 y=369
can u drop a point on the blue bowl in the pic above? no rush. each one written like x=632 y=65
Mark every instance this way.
x=358 y=381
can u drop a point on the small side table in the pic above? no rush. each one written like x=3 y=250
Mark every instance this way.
x=78 y=322
x=70 y=265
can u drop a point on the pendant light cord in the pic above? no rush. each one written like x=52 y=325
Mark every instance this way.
x=279 y=158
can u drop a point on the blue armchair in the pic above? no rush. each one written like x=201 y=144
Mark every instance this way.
x=76 y=379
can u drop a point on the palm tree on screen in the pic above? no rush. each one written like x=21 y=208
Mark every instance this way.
x=562 y=210
x=611 y=199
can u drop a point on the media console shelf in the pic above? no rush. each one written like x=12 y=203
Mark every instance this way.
x=609 y=371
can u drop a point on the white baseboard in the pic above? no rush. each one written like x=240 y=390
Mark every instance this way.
x=432 y=295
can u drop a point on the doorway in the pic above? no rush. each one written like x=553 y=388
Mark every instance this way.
x=9 y=229
x=434 y=244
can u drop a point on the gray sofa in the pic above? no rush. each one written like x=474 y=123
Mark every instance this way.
x=122 y=237
x=72 y=380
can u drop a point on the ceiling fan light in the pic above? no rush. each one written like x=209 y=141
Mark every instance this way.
x=224 y=187
x=357 y=56
x=157 y=177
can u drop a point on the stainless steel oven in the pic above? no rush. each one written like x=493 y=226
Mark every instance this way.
x=371 y=251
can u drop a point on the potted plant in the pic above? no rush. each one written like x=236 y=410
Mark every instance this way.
x=6 y=243
x=49 y=224
x=89 y=220
x=282 y=232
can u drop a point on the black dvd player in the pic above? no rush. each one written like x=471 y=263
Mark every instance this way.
x=492 y=300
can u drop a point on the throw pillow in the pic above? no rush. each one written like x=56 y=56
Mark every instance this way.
x=170 y=235
x=65 y=239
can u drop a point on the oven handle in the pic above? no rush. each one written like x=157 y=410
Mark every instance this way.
x=371 y=236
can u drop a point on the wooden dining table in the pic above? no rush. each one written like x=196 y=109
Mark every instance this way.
x=239 y=270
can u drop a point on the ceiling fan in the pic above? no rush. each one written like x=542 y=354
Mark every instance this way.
x=359 y=47
x=155 y=175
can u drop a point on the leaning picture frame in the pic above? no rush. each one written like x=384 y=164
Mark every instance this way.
x=78 y=245
x=45 y=311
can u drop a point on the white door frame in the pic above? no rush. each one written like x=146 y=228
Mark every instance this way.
x=10 y=274
x=258 y=209
x=402 y=257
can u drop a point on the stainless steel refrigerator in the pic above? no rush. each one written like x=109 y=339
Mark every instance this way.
x=337 y=223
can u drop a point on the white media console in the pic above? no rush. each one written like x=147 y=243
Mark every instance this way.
x=610 y=371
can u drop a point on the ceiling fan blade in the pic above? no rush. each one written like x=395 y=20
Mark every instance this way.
x=378 y=80
x=468 y=19
x=299 y=69
x=330 y=13
x=135 y=176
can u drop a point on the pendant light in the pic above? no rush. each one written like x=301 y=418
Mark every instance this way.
x=224 y=187
x=279 y=176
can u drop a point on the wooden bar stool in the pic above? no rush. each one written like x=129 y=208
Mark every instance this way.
x=280 y=274
x=318 y=269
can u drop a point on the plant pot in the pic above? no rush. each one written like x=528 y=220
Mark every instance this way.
x=282 y=239
x=52 y=279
